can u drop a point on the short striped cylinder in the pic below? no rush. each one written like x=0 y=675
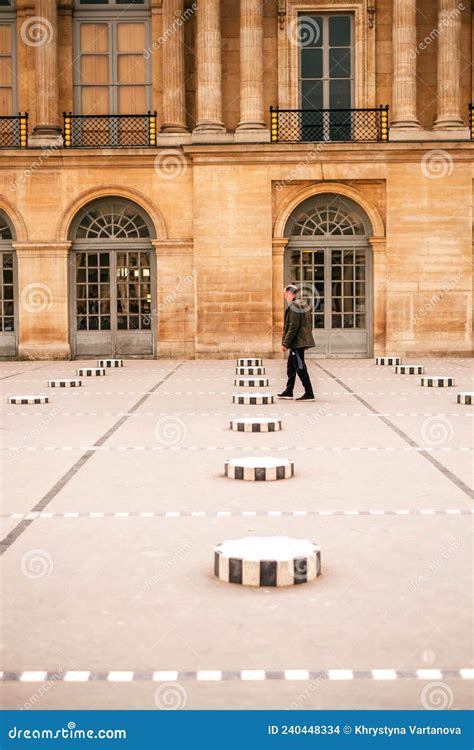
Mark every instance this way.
x=259 y=469
x=253 y=399
x=64 y=383
x=409 y=369
x=250 y=362
x=388 y=361
x=250 y=371
x=437 y=381
x=255 y=425
x=267 y=561
x=91 y=371
x=39 y=399
x=465 y=398
x=110 y=363
x=252 y=382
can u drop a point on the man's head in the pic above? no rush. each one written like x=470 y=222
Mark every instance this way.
x=290 y=292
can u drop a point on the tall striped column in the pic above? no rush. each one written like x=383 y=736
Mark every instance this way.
x=449 y=65
x=251 y=65
x=209 y=67
x=404 y=65
x=174 y=110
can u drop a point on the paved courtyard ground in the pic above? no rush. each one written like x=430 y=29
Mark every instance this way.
x=114 y=496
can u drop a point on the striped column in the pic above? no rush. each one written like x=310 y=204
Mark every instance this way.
x=404 y=65
x=449 y=66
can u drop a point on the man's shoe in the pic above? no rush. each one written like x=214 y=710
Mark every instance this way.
x=306 y=397
x=285 y=394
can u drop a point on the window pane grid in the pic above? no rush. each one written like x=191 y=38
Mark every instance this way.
x=7 y=302
x=93 y=291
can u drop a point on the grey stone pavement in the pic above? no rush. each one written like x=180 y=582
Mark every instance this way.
x=114 y=496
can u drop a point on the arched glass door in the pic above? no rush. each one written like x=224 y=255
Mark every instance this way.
x=8 y=290
x=113 y=281
x=328 y=256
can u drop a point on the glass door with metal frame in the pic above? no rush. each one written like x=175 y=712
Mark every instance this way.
x=113 y=302
x=335 y=285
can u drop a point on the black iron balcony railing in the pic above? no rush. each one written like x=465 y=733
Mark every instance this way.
x=14 y=131
x=109 y=131
x=327 y=125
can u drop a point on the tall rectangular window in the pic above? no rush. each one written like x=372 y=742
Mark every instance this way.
x=112 y=74
x=326 y=60
x=7 y=68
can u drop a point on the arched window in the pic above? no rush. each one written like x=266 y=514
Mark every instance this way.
x=328 y=215
x=114 y=218
x=328 y=256
x=113 y=279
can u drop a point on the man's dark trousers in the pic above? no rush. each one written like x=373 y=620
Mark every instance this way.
x=292 y=370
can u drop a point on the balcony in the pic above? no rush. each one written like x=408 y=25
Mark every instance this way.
x=14 y=131
x=329 y=125
x=109 y=131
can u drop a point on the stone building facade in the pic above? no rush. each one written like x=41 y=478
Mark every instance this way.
x=122 y=233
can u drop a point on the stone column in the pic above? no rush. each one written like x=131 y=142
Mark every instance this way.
x=404 y=65
x=209 y=67
x=43 y=299
x=449 y=66
x=278 y=263
x=174 y=112
x=42 y=33
x=251 y=65
x=378 y=245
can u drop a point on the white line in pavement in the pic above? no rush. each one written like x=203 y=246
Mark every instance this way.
x=244 y=513
x=417 y=448
x=218 y=675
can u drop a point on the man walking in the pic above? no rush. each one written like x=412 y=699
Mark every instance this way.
x=297 y=337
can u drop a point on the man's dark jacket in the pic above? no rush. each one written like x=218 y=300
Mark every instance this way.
x=298 y=330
